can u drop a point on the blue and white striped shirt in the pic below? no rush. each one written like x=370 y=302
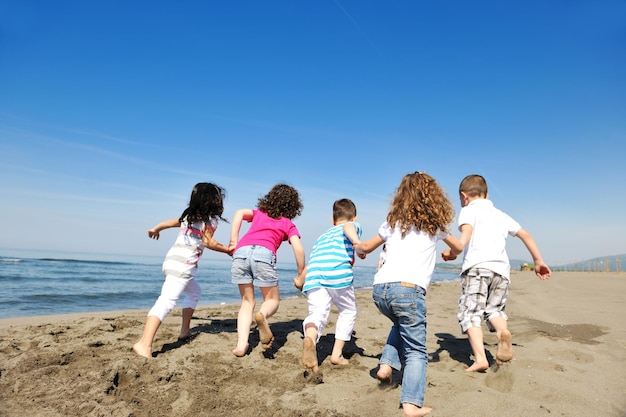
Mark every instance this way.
x=332 y=257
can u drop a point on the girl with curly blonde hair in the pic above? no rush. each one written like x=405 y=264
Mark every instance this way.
x=419 y=217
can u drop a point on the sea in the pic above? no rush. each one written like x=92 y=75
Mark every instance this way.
x=38 y=283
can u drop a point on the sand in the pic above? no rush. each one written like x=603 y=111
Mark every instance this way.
x=569 y=341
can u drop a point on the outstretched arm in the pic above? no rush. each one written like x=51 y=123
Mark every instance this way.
x=235 y=225
x=369 y=245
x=541 y=269
x=298 y=253
x=455 y=245
x=454 y=250
x=350 y=231
x=209 y=242
x=155 y=232
x=298 y=281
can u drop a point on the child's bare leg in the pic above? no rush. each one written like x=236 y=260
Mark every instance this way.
x=271 y=300
x=505 y=342
x=185 y=329
x=265 y=333
x=309 y=351
x=244 y=319
x=384 y=373
x=475 y=335
x=336 y=357
x=411 y=410
x=144 y=346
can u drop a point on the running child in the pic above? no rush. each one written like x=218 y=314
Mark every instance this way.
x=254 y=259
x=196 y=224
x=419 y=217
x=329 y=281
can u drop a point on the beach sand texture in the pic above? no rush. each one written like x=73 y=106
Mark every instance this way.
x=569 y=340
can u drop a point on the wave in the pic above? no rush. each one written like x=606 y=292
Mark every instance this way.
x=64 y=298
x=10 y=260
x=82 y=261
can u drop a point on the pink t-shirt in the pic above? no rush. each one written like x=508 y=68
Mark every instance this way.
x=268 y=232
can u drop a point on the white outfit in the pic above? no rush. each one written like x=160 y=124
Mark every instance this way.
x=180 y=267
x=410 y=258
x=320 y=300
x=172 y=289
x=329 y=280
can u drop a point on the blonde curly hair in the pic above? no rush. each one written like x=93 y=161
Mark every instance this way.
x=420 y=202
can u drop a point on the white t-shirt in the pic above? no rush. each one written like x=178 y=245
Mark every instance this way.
x=490 y=228
x=410 y=258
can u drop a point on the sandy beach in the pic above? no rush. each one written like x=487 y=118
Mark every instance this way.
x=569 y=340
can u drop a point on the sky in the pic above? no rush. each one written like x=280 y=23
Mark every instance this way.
x=111 y=111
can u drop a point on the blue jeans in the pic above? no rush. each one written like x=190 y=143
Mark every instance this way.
x=406 y=308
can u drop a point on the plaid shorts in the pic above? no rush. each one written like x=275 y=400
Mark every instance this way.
x=483 y=296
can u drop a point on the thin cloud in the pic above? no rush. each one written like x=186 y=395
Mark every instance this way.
x=358 y=27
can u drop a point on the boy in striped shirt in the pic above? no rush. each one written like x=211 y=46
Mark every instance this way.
x=328 y=280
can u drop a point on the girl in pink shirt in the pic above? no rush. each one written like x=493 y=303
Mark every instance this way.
x=254 y=259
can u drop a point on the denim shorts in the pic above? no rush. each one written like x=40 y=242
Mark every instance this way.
x=256 y=265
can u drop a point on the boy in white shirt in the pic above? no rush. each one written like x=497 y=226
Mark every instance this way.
x=485 y=274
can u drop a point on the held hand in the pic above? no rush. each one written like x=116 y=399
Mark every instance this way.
x=153 y=234
x=359 y=252
x=447 y=255
x=542 y=271
x=298 y=282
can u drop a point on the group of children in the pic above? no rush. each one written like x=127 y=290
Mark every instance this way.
x=419 y=216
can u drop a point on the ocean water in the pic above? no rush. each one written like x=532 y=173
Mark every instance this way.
x=36 y=283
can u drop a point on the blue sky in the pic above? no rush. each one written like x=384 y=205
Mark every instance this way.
x=110 y=112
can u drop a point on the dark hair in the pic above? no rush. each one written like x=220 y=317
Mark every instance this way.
x=281 y=201
x=420 y=202
x=206 y=201
x=344 y=209
x=474 y=185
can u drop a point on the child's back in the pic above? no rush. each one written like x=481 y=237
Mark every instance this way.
x=490 y=228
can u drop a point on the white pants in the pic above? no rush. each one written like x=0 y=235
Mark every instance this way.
x=320 y=301
x=173 y=288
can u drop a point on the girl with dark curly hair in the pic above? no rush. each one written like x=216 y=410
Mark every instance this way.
x=254 y=259
x=196 y=224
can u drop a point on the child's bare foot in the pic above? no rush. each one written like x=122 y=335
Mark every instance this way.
x=141 y=350
x=240 y=352
x=340 y=361
x=265 y=334
x=309 y=355
x=505 y=347
x=411 y=410
x=478 y=366
x=384 y=374
x=183 y=337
